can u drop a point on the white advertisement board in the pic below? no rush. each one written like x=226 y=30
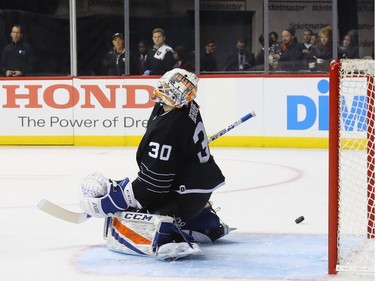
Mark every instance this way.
x=286 y=107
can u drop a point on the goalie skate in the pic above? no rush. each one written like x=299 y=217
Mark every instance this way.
x=207 y=227
x=174 y=251
x=199 y=237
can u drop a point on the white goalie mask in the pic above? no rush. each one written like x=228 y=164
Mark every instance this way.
x=176 y=87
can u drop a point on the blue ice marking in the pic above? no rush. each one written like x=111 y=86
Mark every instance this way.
x=239 y=255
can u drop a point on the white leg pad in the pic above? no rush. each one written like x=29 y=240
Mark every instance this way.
x=146 y=235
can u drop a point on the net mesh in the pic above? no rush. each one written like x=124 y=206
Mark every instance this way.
x=356 y=232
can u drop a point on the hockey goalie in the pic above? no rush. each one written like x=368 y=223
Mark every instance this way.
x=165 y=211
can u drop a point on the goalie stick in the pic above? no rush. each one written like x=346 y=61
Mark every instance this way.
x=231 y=126
x=61 y=213
x=74 y=217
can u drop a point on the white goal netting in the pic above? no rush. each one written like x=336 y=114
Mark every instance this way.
x=356 y=166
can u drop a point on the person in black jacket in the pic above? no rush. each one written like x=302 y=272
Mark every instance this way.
x=208 y=61
x=242 y=60
x=182 y=59
x=348 y=49
x=160 y=57
x=306 y=45
x=113 y=63
x=290 y=56
x=141 y=57
x=18 y=57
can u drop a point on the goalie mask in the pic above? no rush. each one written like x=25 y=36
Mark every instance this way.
x=176 y=88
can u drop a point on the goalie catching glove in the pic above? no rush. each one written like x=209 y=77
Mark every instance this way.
x=102 y=197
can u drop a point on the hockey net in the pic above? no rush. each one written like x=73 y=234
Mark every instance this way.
x=352 y=166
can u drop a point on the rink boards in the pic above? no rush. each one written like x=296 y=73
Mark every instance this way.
x=292 y=111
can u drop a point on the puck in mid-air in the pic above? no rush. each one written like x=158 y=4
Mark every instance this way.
x=299 y=219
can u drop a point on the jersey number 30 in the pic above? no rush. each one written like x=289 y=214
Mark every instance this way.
x=162 y=152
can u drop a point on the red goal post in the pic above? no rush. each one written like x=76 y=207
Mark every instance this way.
x=351 y=229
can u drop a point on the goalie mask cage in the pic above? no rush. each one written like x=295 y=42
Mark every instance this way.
x=351 y=232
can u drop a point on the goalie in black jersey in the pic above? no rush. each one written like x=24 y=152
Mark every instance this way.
x=177 y=175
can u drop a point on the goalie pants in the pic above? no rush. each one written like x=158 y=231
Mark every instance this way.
x=184 y=206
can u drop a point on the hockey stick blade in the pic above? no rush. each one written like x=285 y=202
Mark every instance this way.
x=61 y=213
x=232 y=126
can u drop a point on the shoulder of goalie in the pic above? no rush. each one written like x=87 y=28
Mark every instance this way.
x=146 y=235
x=102 y=197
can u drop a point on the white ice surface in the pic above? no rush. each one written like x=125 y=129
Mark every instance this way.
x=266 y=189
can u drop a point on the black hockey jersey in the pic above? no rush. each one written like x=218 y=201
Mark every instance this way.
x=174 y=157
x=160 y=62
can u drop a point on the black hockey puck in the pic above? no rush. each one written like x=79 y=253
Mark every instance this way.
x=299 y=219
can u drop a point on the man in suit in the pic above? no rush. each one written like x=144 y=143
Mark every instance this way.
x=242 y=60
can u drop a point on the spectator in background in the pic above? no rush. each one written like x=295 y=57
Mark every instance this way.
x=306 y=45
x=259 y=58
x=18 y=56
x=290 y=55
x=322 y=53
x=114 y=61
x=307 y=48
x=242 y=60
x=160 y=57
x=181 y=59
x=273 y=46
x=142 y=57
x=323 y=49
x=273 y=38
x=314 y=39
x=349 y=46
x=208 y=59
